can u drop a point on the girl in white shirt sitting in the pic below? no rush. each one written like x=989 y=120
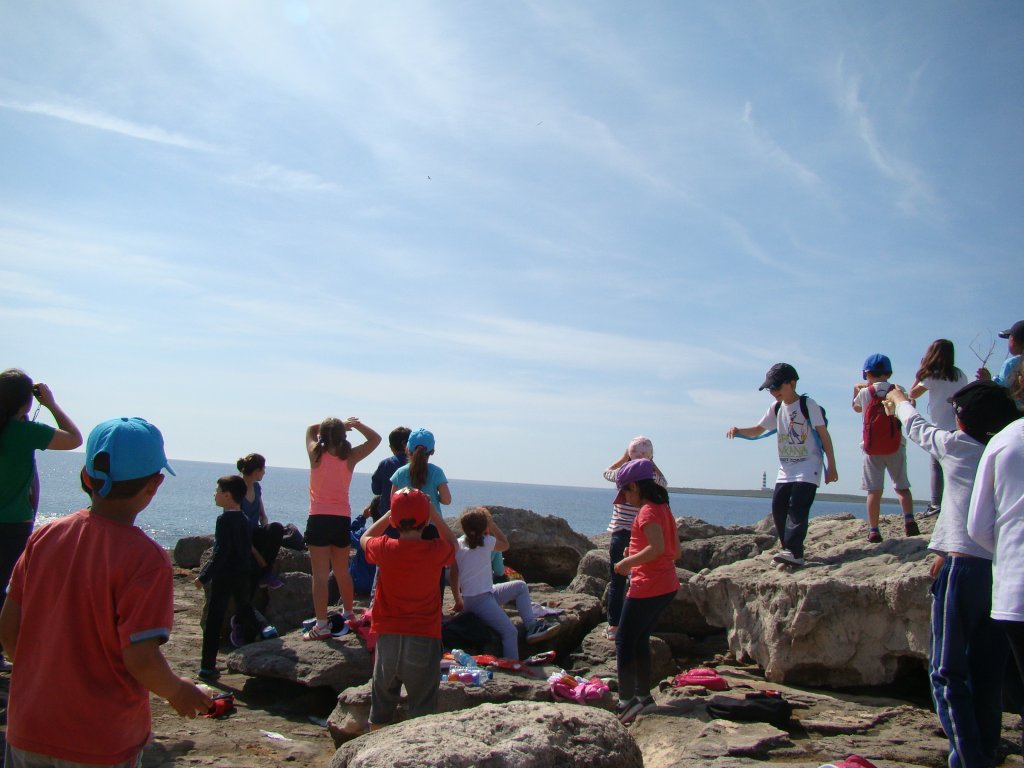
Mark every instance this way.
x=476 y=592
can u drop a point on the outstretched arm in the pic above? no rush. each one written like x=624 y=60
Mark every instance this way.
x=750 y=432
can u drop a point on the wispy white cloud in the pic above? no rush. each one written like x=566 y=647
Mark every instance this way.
x=101 y=121
x=279 y=179
x=914 y=190
x=770 y=149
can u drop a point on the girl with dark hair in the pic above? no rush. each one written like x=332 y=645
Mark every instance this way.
x=19 y=440
x=328 y=531
x=475 y=591
x=650 y=564
x=266 y=536
x=941 y=379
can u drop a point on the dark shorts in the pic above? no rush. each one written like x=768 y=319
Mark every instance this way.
x=328 y=531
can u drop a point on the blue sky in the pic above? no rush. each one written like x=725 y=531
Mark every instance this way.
x=537 y=229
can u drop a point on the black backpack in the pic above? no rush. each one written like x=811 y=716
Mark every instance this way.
x=756 y=707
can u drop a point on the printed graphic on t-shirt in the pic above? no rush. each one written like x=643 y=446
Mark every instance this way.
x=793 y=435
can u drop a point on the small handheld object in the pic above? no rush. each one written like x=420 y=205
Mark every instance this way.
x=223 y=705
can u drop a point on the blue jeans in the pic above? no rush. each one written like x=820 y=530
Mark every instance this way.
x=791 y=508
x=968 y=660
x=487 y=606
x=617 y=585
x=633 y=643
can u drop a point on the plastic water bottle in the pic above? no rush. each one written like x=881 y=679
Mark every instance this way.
x=462 y=658
x=466 y=675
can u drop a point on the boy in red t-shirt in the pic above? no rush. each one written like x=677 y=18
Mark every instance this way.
x=407 y=607
x=90 y=602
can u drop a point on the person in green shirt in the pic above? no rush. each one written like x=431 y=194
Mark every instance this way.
x=19 y=440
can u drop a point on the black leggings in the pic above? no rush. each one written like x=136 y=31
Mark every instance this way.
x=633 y=643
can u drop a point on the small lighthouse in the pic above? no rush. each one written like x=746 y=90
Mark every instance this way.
x=764 y=481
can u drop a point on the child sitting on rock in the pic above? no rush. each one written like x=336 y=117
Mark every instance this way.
x=475 y=591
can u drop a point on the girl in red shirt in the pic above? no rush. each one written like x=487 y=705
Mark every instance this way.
x=650 y=564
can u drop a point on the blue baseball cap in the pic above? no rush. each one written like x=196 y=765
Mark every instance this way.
x=420 y=437
x=878 y=365
x=135 y=449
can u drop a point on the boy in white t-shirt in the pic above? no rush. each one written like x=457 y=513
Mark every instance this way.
x=880 y=458
x=803 y=440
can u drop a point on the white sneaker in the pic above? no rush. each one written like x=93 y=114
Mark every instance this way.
x=785 y=556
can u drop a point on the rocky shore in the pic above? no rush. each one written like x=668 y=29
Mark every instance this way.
x=844 y=639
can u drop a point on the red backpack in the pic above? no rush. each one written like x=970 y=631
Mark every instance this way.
x=881 y=431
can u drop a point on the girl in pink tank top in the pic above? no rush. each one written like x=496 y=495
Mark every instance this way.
x=331 y=462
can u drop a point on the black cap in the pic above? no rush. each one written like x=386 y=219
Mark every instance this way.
x=778 y=375
x=1016 y=331
x=984 y=408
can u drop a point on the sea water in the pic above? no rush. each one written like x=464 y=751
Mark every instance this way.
x=184 y=504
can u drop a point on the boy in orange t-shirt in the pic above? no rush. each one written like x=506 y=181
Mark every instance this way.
x=407 y=608
x=90 y=602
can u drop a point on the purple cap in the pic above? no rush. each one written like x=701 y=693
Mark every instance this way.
x=632 y=471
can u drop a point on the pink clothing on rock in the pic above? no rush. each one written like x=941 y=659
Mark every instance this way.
x=87 y=587
x=328 y=487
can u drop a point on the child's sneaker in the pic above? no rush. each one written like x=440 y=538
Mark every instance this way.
x=788 y=558
x=634 y=708
x=874 y=537
x=931 y=511
x=910 y=527
x=270 y=580
x=316 y=632
x=539 y=630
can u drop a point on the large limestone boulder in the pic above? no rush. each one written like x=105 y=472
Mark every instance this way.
x=522 y=733
x=679 y=733
x=542 y=548
x=693 y=528
x=351 y=715
x=189 y=550
x=716 y=551
x=334 y=663
x=856 y=615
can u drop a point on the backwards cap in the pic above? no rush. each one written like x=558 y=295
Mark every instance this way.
x=410 y=508
x=135 y=449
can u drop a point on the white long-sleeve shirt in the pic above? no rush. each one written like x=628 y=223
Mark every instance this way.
x=996 y=518
x=959 y=454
